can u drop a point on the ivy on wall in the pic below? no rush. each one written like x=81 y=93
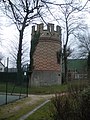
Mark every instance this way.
x=34 y=42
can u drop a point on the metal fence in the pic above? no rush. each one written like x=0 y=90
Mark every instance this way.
x=11 y=89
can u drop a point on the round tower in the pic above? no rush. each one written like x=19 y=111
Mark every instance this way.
x=46 y=55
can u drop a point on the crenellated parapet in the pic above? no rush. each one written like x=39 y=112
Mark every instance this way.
x=45 y=55
x=50 y=32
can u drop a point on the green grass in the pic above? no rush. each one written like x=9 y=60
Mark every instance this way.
x=33 y=90
x=42 y=114
x=7 y=113
x=40 y=90
x=12 y=88
x=48 y=89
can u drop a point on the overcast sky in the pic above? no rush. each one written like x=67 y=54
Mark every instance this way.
x=9 y=33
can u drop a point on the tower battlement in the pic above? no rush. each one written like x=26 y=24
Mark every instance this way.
x=49 y=32
x=46 y=60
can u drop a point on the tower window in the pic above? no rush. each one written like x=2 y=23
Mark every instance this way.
x=58 y=57
x=47 y=33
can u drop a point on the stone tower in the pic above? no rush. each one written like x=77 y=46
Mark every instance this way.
x=46 y=56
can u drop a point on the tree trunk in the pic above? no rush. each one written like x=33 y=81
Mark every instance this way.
x=65 y=54
x=65 y=64
x=19 y=58
x=19 y=55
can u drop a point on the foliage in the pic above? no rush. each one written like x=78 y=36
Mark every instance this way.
x=34 y=43
x=85 y=104
x=74 y=105
x=75 y=88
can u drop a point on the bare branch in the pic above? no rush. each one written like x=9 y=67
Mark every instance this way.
x=52 y=3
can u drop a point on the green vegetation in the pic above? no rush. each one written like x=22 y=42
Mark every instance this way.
x=48 y=89
x=34 y=42
x=85 y=104
x=15 y=110
x=33 y=90
x=12 y=88
x=43 y=113
x=44 y=89
x=57 y=88
x=72 y=104
x=77 y=64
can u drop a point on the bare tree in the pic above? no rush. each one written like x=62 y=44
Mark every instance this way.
x=12 y=48
x=22 y=13
x=71 y=24
x=84 y=48
x=70 y=20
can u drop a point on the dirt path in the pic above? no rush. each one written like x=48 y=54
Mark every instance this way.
x=11 y=109
x=35 y=97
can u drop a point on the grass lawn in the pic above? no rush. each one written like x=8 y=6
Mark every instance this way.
x=15 y=110
x=42 y=114
x=48 y=89
x=33 y=90
x=40 y=90
x=20 y=107
x=12 y=88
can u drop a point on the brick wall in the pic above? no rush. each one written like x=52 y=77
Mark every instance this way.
x=45 y=56
x=46 y=71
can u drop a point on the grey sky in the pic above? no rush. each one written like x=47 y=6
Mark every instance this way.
x=9 y=32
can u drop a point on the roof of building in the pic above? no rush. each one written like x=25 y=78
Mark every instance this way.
x=77 y=64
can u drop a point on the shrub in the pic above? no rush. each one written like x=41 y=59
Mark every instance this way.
x=61 y=107
x=65 y=108
x=74 y=105
x=85 y=104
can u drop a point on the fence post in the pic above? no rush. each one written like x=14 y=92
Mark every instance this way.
x=7 y=79
x=6 y=90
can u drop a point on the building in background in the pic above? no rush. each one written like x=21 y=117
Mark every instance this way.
x=46 y=56
x=77 y=69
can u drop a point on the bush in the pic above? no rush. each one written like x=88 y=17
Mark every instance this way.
x=62 y=108
x=65 y=108
x=85 y=104
x=74 y=105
